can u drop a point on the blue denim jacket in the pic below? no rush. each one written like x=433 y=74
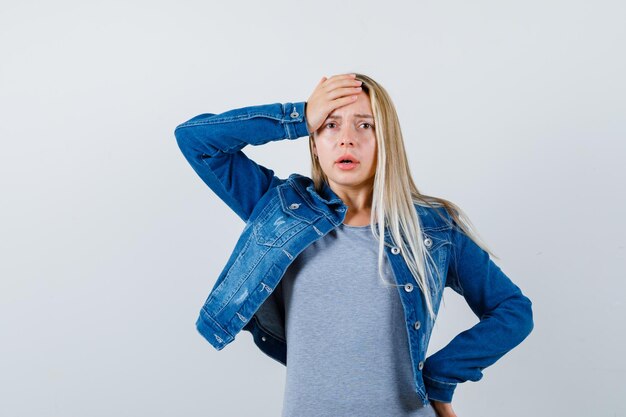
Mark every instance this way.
x=284 y=216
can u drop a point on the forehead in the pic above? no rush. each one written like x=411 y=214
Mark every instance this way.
x=361 y=107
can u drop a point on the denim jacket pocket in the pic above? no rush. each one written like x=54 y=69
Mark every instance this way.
x=435 y=242
x=274 y=227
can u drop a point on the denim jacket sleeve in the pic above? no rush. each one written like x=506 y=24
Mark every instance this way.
x=504 y=312
x=212 y=145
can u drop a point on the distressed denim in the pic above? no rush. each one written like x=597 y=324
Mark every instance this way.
x=283 y=216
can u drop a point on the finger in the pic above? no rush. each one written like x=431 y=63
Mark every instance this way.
x=341 y=82
x=340 y=102
x=345 y=91
x=340 y=89
x=345 y=75
x=339 y=78
x=318 y=88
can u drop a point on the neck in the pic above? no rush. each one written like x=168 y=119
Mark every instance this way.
x=359 y=203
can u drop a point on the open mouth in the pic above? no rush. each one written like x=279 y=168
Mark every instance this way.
x=346 y=162
x=347 y=159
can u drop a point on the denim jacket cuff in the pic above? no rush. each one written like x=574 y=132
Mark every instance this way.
x=212 y=331
x=295 y=121
x=438 y=390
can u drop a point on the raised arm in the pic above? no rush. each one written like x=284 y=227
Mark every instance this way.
x=505 y=315
x=212 y=145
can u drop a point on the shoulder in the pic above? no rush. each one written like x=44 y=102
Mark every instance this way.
x=299 y=180
x=290 y=195
x=433 y=217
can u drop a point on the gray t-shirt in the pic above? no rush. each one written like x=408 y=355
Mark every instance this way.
x=347 y=347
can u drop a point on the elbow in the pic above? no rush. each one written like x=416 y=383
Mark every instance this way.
x=523 y=319
x=196 y=141
x=180 y=135
x=186 y=142
x=528 y=320
x=517 y=321
x=192 y=129
x=186 y=132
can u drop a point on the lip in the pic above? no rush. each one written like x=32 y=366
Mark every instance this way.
x=347 y=166
x=347 y=156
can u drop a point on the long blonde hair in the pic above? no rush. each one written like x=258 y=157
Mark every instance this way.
x=395 y=194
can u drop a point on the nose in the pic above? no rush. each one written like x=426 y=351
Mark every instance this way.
x=346 y=138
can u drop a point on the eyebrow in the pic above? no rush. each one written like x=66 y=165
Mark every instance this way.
x=360 y=116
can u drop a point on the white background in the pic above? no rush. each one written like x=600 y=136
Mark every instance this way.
x=110 y=243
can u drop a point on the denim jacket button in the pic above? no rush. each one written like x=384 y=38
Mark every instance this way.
x=263 y=338
x=294 y=114
x=408 y=287
x=294 y=206
x=395 y=250
x=417 y=325
x=420 y=365
x=428 y=242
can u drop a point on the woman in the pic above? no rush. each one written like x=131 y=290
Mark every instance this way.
x=311 y=271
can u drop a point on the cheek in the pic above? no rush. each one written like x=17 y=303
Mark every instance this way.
x=322 y=150
x=372 y=152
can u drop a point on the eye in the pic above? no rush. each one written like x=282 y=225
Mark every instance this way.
x=330 y=125
x=367 y=125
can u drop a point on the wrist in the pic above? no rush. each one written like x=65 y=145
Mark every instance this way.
x=294 y=120
x=306 y=119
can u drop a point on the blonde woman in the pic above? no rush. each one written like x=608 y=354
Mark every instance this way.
x=340 y=276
